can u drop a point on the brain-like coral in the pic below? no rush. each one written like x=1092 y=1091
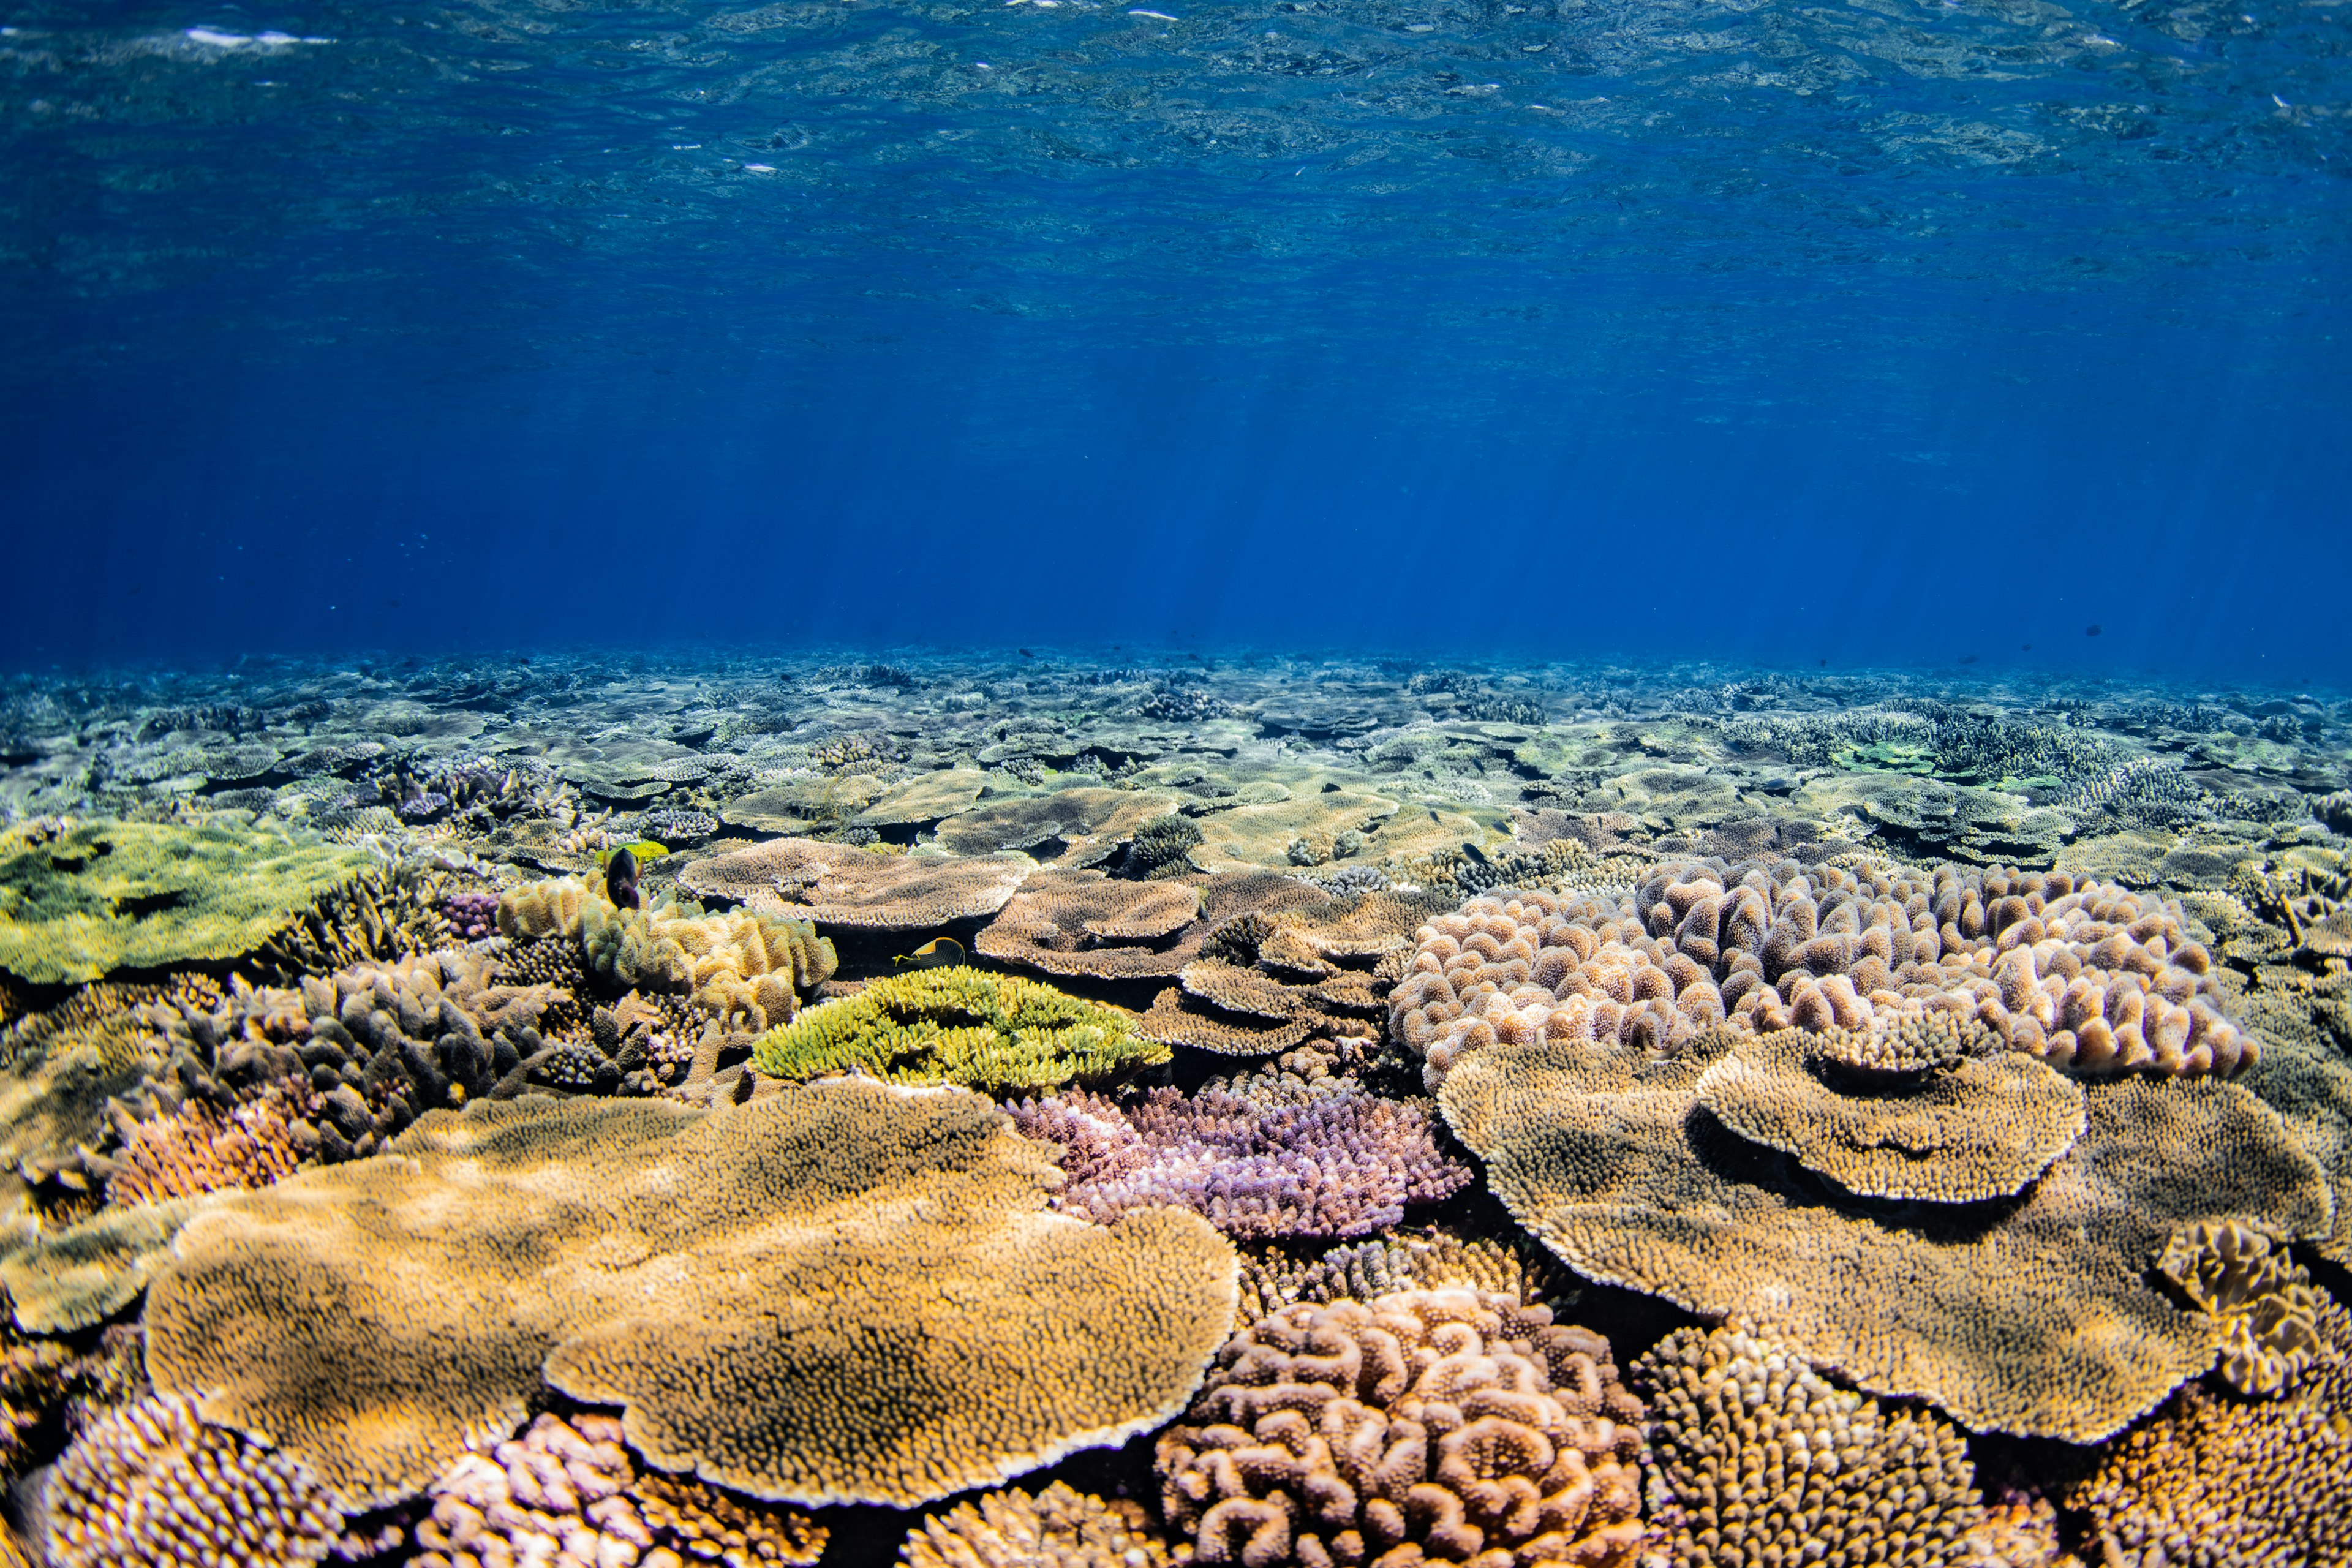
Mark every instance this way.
x=837 y=885
x=2213 y=1481
x=78 y=902
x=1973 y=1127
x=156 y=1486
x=2035 y=1316
x=2266 y=1305
x=1433 y=1426
x=2085 y=976
x=800 y=1253
x=1259 y=1157
x=569 y=1492
x=1760 y=1460
x=1056 y=1528
x=963 y=1025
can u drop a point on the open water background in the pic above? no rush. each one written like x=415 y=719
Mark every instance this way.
x=1865 y=331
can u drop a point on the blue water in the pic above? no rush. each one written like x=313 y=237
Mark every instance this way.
x=1793 y=332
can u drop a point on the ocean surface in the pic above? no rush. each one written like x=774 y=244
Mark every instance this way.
x=1878 y=334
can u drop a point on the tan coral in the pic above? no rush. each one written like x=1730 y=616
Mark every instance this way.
x=1078 y=923
x=1436 y=1426
x=196 y=1149
x=2216 y=1481
x=1760 y=1460
x=158 y=1487
x=1980 y=1128
x=2265 y=1302
x=1056 y=1528
x=2035 y=1318
x=1086 y=824
x=800 y=1244
x=842 y=886
x=2088 y=977
x=1274 y=1277
x=1176 y=1019
x=743 y=968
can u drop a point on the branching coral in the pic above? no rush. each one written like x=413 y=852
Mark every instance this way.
x=963 y=1025
x=1056 y=1528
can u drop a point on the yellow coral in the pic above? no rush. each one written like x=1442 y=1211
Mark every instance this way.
x=961 y=1025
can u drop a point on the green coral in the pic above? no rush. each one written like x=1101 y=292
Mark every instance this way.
x=1885 y=757
x=83 y=901
x=993 y=1032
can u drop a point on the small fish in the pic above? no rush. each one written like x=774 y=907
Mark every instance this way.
x=2092 y=631
x=1477 y=856
x=2027 y=647
x=940 y=953
x=621 y=879
x=1024 y=653
x=1825 y=664
x=1967 y=658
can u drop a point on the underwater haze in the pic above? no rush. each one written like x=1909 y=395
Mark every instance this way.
x=1877 y=332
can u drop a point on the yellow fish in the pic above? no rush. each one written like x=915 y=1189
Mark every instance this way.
x=937 y=954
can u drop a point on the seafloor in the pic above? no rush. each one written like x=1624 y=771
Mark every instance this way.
x=1038 y=1109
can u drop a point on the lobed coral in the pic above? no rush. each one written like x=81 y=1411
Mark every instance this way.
x=959 y=1025
x=1056 y=1528
x=1258 y=1157
x=1760 y=1460
x=568 y=1493
x=156 y=1486
x=2087 y=977
x=800 y=1247
x=1432 y=1427
x=2265 y=1305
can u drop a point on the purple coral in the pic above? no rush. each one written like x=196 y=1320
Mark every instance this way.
x=471 y=916
x=1256 y=1159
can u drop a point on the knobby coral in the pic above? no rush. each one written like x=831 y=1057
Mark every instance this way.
x=1434 y=1427
x=963 y=1025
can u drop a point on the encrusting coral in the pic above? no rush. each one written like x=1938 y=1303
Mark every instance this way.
x=799 y=1248
x=568 y=1492
x=1431 y=1427
x=963 y=1025
x=1760 y=1460
x=156 y=1486
x=2265 y=1304
x=2035 y=1316
x=80 y=903
x=843 y=886
x=1258 y=1157
x=2089 y=978
x=1058 y=1528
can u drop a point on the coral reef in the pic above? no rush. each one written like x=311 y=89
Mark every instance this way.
x=799 y=1245
x=1258 y=1157
x=1056 y=1528
x=1446 y=1425
x=1272 y=1278
x=1080 y=827
x=997 y=1032
x=79 y=1275
x=2033 y=1318
x=197 y=1150
x=2266 y=1305
x=849 y=889
x=1759 y=1461
x=2090 y=978
x=77 y=903
x=1077 y=923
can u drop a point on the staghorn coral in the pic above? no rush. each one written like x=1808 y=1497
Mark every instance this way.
x=838 y=886
x=2087 y=977
x=382 y=913
x=156 y=1486
x=2266 y=1305
x=803 y=1247
x=959 y=1026
x=78 y=902
x=1431 y=1427
x=1258 y=1157
x=1975 y=1127
x=197 y=1150
x=2215 y=1481
x=1056 y=1528
x=568 y=1492
x=1076 y=922
x=1759 y=1461
x=2033 y=1318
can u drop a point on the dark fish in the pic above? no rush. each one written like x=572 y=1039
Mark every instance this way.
x=1967 y=658
x=1024 y=653
x=621 y=879
x=1825 y=664
x=2092 y=631
x=940 y=953
x=2027 y=646
x=1477 y=856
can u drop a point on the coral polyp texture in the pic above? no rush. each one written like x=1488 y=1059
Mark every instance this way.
x=2267 y=1307
x=841 y=887
x=1761 y=1460
x=2036 y=1316
x=2088 y=977
x=959 y=1025
x=1056 y=1528
x=798 y=1248
x=1422 y=1427
x=157 y=1485
x=1259 y=1158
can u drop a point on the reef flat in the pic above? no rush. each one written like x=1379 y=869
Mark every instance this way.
x=1109 y=1109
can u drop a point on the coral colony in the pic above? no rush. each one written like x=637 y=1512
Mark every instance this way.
x=1340 y=1114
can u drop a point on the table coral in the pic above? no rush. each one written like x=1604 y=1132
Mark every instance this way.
x=838 y=886
x=1258 y=1157
x=1056 y=1528
x=1760 y=1460
x=568 y=1494
x=78 y=902
x=2265 y=1304
x=1082 y=827
x=959 y=1026
x=2090 y=978
x=1077 y=923
x=839 y=1293
x=158 y=1487
x=1432 y=1427
x=2034 y=1317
